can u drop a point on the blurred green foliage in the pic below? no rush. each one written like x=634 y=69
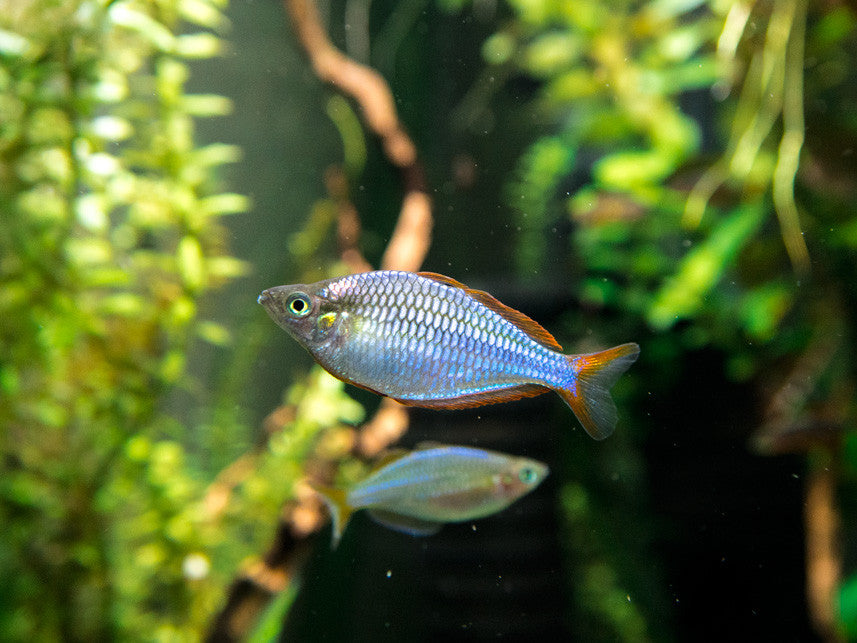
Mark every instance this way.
x=110 y=239
x=702 y=151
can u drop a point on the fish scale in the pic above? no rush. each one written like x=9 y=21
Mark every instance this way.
x=460 y=358
x=427 y=340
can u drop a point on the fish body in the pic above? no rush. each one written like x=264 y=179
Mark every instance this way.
x=427 y=340
x=417 y=492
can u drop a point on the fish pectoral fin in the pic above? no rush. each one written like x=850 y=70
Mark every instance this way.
x=406 y=524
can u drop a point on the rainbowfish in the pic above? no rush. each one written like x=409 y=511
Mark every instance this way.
x=417 y=492
x=428 y=340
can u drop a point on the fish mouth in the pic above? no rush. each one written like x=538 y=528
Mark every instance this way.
x=272 y=301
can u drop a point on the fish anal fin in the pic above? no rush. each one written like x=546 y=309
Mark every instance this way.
x=515 y=317
x=462 y=402
x=338 y=507
x=480 y=399
x=406 y=524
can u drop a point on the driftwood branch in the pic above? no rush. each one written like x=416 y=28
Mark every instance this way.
x=794 y=425
x=410 y=241
x=260 y=581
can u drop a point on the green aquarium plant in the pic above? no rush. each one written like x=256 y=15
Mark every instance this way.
x=110 y=238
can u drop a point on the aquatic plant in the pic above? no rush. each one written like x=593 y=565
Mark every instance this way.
x=110 y=239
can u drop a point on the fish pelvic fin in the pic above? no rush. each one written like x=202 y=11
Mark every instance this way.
x=589 y=395
x=338 y=507
x=405 y=524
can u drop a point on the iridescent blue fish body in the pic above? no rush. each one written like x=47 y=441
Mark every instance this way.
x=427 y=340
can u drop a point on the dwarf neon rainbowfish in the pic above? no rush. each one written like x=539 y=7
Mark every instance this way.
x=428 y=340
x=417 y=492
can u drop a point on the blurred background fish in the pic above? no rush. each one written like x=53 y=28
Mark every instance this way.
x=417 y=492
x=428 y=340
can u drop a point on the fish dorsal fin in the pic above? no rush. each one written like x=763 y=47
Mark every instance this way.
x=515 y=317
x=425 y=445
x=388 y=457
x=406 y=524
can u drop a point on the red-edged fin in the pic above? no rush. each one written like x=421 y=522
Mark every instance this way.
x=464 y=401
x=480 y=399
x=406 y=524
x=516 y=317
x=589 y=396
x=337 y=505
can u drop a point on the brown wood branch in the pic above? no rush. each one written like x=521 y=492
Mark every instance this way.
x=262 y=579
x=823 y=558
x=347 y=221
x=794 y=424
x=412 y=236
x=362 y=83
x=387 y=426
x=259 y=582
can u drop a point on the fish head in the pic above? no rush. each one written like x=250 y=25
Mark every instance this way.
x=521 y=476
x=303 y=312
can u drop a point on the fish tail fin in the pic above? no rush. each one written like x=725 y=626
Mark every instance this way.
x=589 y=394
x=337 y=505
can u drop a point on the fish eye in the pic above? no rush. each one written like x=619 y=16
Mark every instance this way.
x=298 y=304
x=527 y=475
